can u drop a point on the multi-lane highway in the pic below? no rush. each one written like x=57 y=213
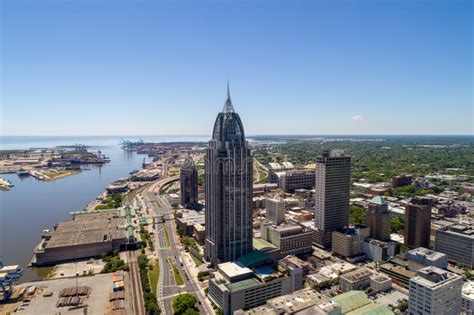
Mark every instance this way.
x=167 y=287
x=156 y=205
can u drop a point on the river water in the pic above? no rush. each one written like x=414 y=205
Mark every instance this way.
x=32 y=205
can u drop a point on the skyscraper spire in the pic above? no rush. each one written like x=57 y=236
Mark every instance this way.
x=228 y=107
x=229 y=180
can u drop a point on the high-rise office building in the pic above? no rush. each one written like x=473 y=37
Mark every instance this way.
x=377 y=218
x=229 y=178
x=188 y=183
x=275 y=210
x=456 y=241
x=435 y=291
x=418 y=222
x=332 y=193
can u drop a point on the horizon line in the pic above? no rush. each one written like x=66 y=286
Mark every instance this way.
x=250 y=135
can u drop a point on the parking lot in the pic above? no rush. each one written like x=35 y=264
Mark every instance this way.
x=391 y=298
x=84 y=267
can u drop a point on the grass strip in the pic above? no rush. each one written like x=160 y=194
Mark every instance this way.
x=177 y=275
x=154 y=274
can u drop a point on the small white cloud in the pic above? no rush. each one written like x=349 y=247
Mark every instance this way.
x=358 y=117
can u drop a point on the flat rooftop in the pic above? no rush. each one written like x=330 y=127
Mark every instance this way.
x=87 y=228
x=433 y=277
x=231 y=270
x=358 y=274
x=468 y=290
x=301 y=300
x=427 y=253
x=242 y=285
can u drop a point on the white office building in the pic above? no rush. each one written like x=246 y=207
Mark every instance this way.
x=435 y=291
x=467 y=304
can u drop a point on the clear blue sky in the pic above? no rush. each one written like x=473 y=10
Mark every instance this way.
x=295 y=67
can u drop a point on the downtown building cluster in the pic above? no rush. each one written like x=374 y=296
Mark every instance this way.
x=249 y=253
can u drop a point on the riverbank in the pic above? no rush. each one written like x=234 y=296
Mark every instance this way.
x=34 y=205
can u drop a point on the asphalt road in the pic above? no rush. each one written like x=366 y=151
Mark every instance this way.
x=167 y=287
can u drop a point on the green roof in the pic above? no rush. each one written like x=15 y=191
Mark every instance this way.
x=372 y=309
x=351 y=300
x=261 y=244
x=242 y=285
x=378 y=200
x=254 y=258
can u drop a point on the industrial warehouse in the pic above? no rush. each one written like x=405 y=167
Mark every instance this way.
x=88 y=234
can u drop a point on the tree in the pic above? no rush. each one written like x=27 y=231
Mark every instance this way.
x=403 y=306
x=397 y=224
x=180 y=231
x=404 y=248
x=185 y=304
x=356 y=215
x=187 y=241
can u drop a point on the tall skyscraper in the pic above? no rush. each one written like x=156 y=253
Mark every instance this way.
x=333 y=176
x=188 y=182
x=418 y=222
x=377 y=218
x=229 y=178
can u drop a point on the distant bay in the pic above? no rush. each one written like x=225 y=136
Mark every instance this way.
x=32 y=205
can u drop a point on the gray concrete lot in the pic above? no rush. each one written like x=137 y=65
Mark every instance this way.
x=98 y=301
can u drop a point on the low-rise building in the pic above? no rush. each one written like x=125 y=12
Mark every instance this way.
x=401 y=270
x=348 y=242
x=199 y=233
x=306 y=301
x=435 y=291
x=118 y=186
x=296 y=179
x=290 y=239
x=294 y=261
x=330 y=274
x=186 y=219
x=145 y=175
x=380 y=283
x=234 y=287
x=427 y=257
x=357 y=302
x=356 y=280
x=363 y=279
x=88 y=234
x=467 y=302
x=274 y=168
